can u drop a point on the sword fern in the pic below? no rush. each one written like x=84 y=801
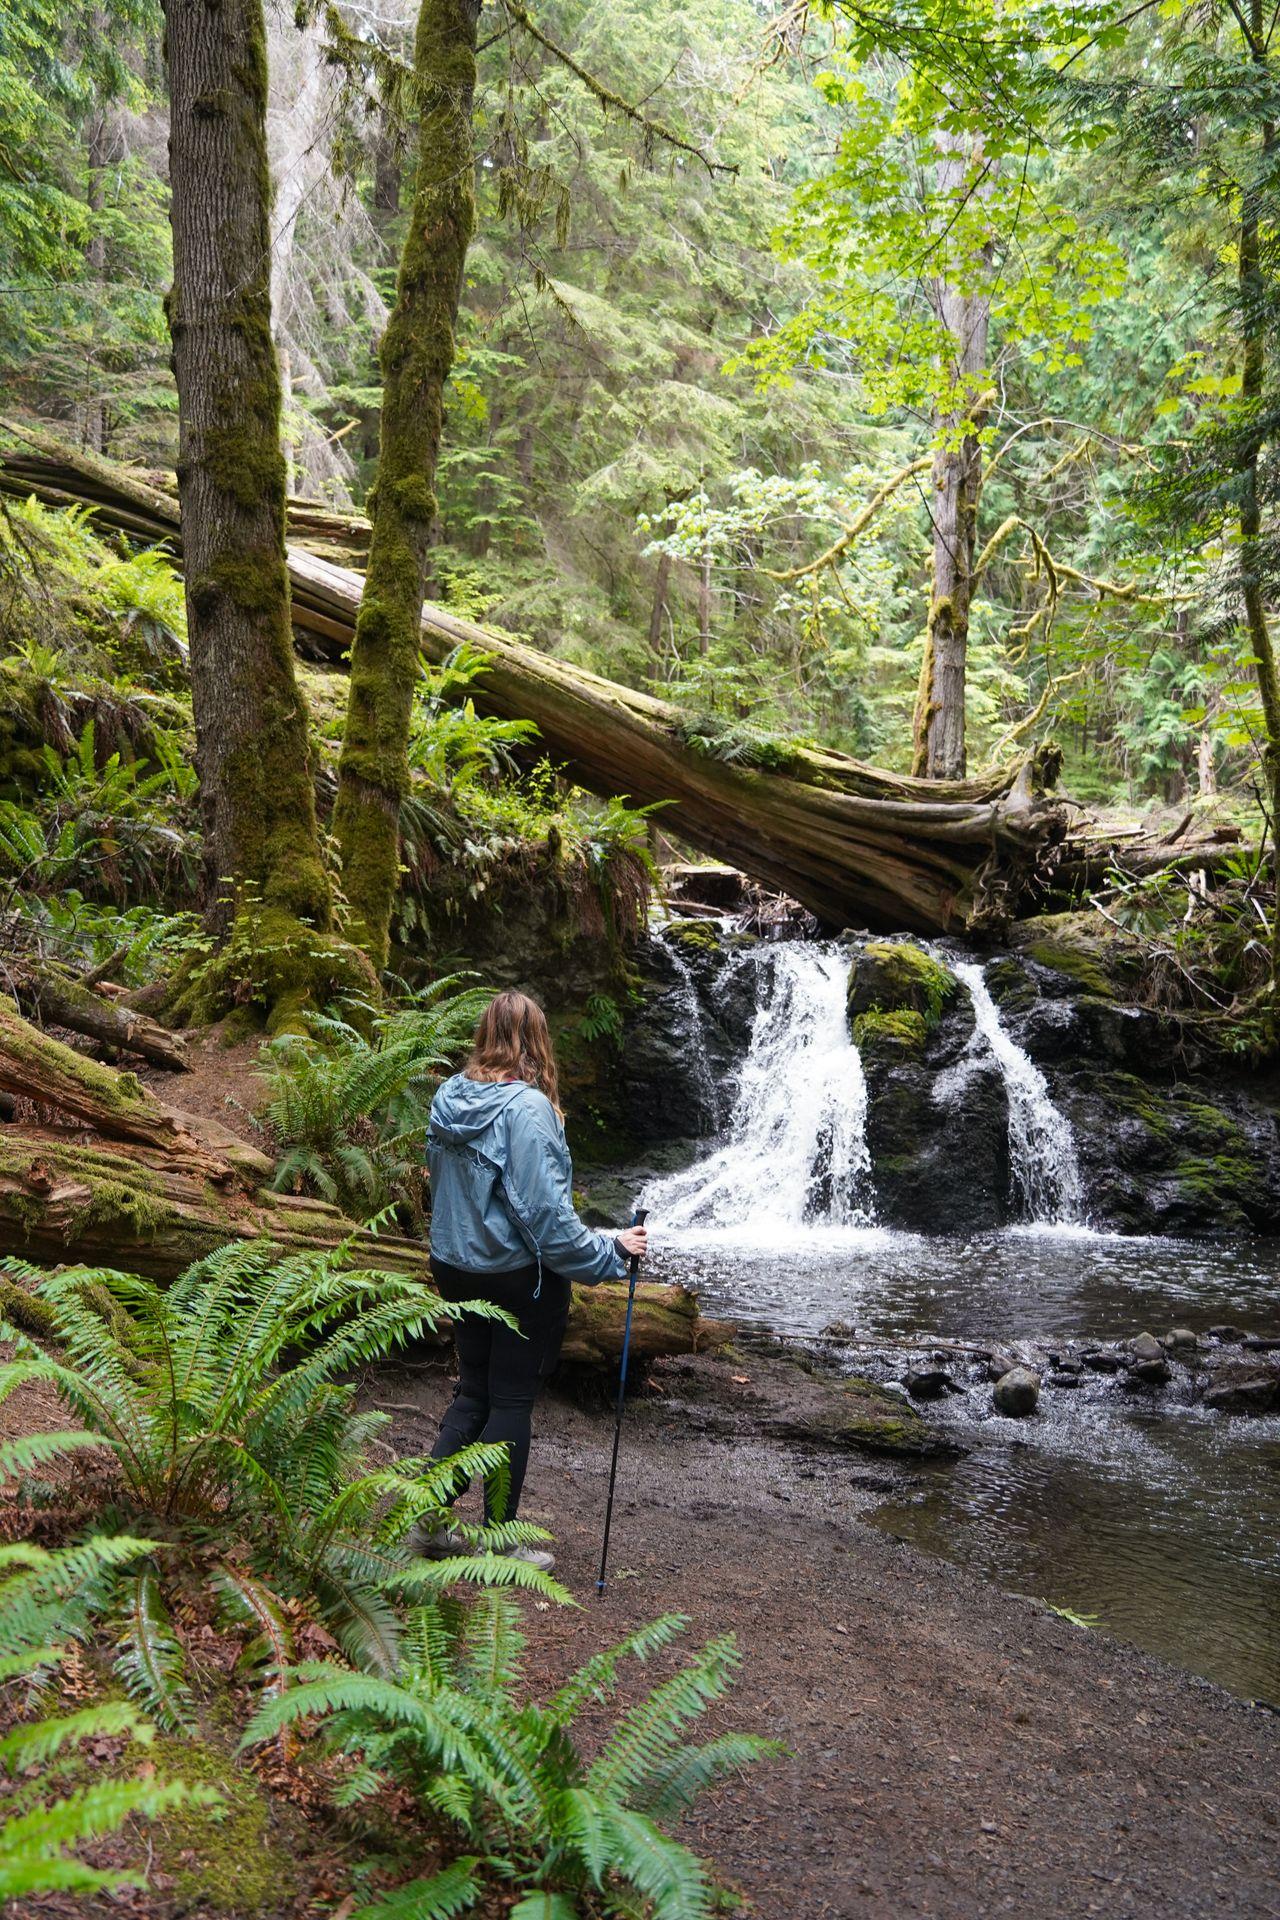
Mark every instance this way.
x=505 y=1778
x=242 y=1455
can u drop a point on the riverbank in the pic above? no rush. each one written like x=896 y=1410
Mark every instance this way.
x=955 y=1751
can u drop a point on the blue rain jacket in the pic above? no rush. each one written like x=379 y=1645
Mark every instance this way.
x=502 y=1185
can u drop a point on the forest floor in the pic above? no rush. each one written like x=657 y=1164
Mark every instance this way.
x=956 y=1751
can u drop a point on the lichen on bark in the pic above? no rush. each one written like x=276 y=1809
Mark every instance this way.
x=417 y=354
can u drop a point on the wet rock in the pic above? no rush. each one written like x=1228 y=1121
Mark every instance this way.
x=1064 y=1377
x=1261 y=1343
x=1101 y=1360
x=1230 y=1336
x=1242 y=1387
x=839 y=1330
x=929 y=1383
x=1181 y=1340
x=1149 y=1373
x=1146 y=1347
x=1066 y=1365
x=1017 y=1393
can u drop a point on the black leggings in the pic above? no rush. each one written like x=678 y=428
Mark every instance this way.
x=500 y=1370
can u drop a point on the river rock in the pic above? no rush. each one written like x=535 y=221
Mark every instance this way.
x=929 y=1383
x=1230 y=1336
x=1101 y=1360
x=1243 y=1388
x=1261 y=1343
x=1181 y=1339
x=1146 y=1347
x=1149 y=1373
x=1017 y=1393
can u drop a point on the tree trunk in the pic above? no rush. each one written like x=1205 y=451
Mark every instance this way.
x=704 y=601
x=95 y=408
x=417 y=353
x=658 y=613
x=1253 y=321
x=939 y=721
x=67 y=1003
x=261 y=845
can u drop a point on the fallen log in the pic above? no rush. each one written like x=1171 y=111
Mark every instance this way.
x=853 y=843
x=106 y=1175
x=56 y=999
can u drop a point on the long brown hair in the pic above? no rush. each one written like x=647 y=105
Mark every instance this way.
x=513 y=1043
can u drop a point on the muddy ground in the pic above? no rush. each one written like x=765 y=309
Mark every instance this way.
x=955 y=1750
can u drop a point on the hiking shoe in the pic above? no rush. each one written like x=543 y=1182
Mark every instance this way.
x=437 y=1543
x=531 y=1557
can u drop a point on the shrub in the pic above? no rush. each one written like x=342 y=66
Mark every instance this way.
x=348 y=1114
x=243 y=1459
x=502 y=1779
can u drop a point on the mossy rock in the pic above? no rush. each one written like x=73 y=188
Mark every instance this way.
x=858 y=1416
x=885 y=1036
x=896 y=976
x=1098 y=957
x=695 y=936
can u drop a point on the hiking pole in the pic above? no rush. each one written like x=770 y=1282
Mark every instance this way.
x=637 y=1220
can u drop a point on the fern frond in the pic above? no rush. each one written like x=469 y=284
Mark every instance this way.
x=676 y=1783
x=19 y=1456
x=597 y=1677
x=452 y=1891
x=542 y=1904
x=149 y=1659
x=646 y=1735
x=41 y=1740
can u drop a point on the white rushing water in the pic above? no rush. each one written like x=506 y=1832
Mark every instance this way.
x=1042 y=1151
x=708 y=1087
x=796 y=1154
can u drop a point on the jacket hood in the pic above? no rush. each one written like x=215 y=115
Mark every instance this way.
x=464 y=1109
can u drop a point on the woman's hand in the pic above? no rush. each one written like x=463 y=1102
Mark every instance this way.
x=634 y=1241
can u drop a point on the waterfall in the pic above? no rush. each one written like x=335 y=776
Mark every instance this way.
x=1042 y=1152
x=691 y=1009
x=795 y=1153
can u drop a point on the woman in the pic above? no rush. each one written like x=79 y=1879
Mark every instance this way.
x=503 y=1229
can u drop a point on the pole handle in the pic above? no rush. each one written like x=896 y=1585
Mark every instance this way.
x=637 y=1220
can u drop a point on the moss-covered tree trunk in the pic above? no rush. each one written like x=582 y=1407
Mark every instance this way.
x=417 y=353
x=261 y=844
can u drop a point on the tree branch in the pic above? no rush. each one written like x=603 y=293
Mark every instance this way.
x=652 y=129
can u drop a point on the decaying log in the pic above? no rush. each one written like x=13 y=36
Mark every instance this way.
x=58 y=999
x=853 y=843
x=106 y=1175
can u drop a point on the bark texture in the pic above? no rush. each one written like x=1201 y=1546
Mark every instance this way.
x=939 y=726
x=251 y=723
x=417 y=354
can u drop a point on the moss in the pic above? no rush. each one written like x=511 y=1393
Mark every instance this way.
x=695 y=936
x=223 y=1859
x=889 y=978
x=1220 y=1178
x=903 y=1031
x=128 y=1208
x=1081 y=967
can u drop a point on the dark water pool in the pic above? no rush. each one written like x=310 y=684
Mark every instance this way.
x=1156 y=1516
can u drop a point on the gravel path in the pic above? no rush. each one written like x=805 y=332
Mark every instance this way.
x=956 y=1751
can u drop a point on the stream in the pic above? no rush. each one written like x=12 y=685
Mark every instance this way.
x=1150 y=1514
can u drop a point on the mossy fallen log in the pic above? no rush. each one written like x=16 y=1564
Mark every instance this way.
x=58 y=999
x=855 y=844
x=97 y=1171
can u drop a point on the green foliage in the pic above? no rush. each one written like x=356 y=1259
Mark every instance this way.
x=504 y=1776
x=226 y=1403
x=348 y=1113
x=41 y=1824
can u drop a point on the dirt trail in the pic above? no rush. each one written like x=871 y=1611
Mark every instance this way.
x=956 y=1751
